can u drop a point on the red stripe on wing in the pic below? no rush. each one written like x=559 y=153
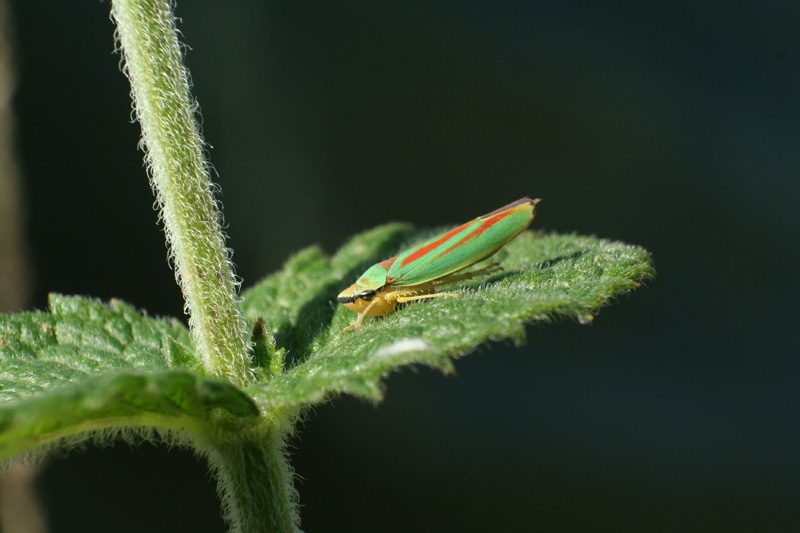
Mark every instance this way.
x=422 y=251
x=483 y=227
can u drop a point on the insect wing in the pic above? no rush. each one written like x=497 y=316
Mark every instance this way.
x=462 y=246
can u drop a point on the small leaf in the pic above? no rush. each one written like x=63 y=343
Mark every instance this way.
x=267 y=358
x=179 y=355
x=544 y=277
x=170 y=399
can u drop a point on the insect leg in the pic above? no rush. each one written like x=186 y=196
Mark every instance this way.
x=404 y=299
x=361 y=315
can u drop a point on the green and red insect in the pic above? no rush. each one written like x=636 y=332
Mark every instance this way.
x=416 y=273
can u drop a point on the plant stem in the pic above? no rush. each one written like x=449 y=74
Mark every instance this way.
x=253 y=473
x=147 y=36
x=255 y=480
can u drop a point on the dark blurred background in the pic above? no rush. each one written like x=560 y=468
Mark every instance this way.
x=669 y=125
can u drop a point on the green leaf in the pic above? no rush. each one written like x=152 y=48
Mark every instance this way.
x=544 y=277
x=81 y=337
x=88 y=366
x=169 y=399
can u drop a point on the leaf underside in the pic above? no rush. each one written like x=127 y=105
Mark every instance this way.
x=544 y=277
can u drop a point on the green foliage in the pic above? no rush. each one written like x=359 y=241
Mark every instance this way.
x=86 y=365
x=85 y=361
x=167 y=400
x=81 y=337
x=544 y=277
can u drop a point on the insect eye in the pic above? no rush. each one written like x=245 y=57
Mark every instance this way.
x=367 y=295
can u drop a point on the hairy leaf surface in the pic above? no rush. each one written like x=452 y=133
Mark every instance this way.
x=544 y=277
x=81 y=337
x=87 y=365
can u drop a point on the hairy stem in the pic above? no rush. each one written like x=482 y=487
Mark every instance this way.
x=147 y=36
x=255 y=480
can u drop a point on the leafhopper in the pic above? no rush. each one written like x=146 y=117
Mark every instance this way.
x=417 y=273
